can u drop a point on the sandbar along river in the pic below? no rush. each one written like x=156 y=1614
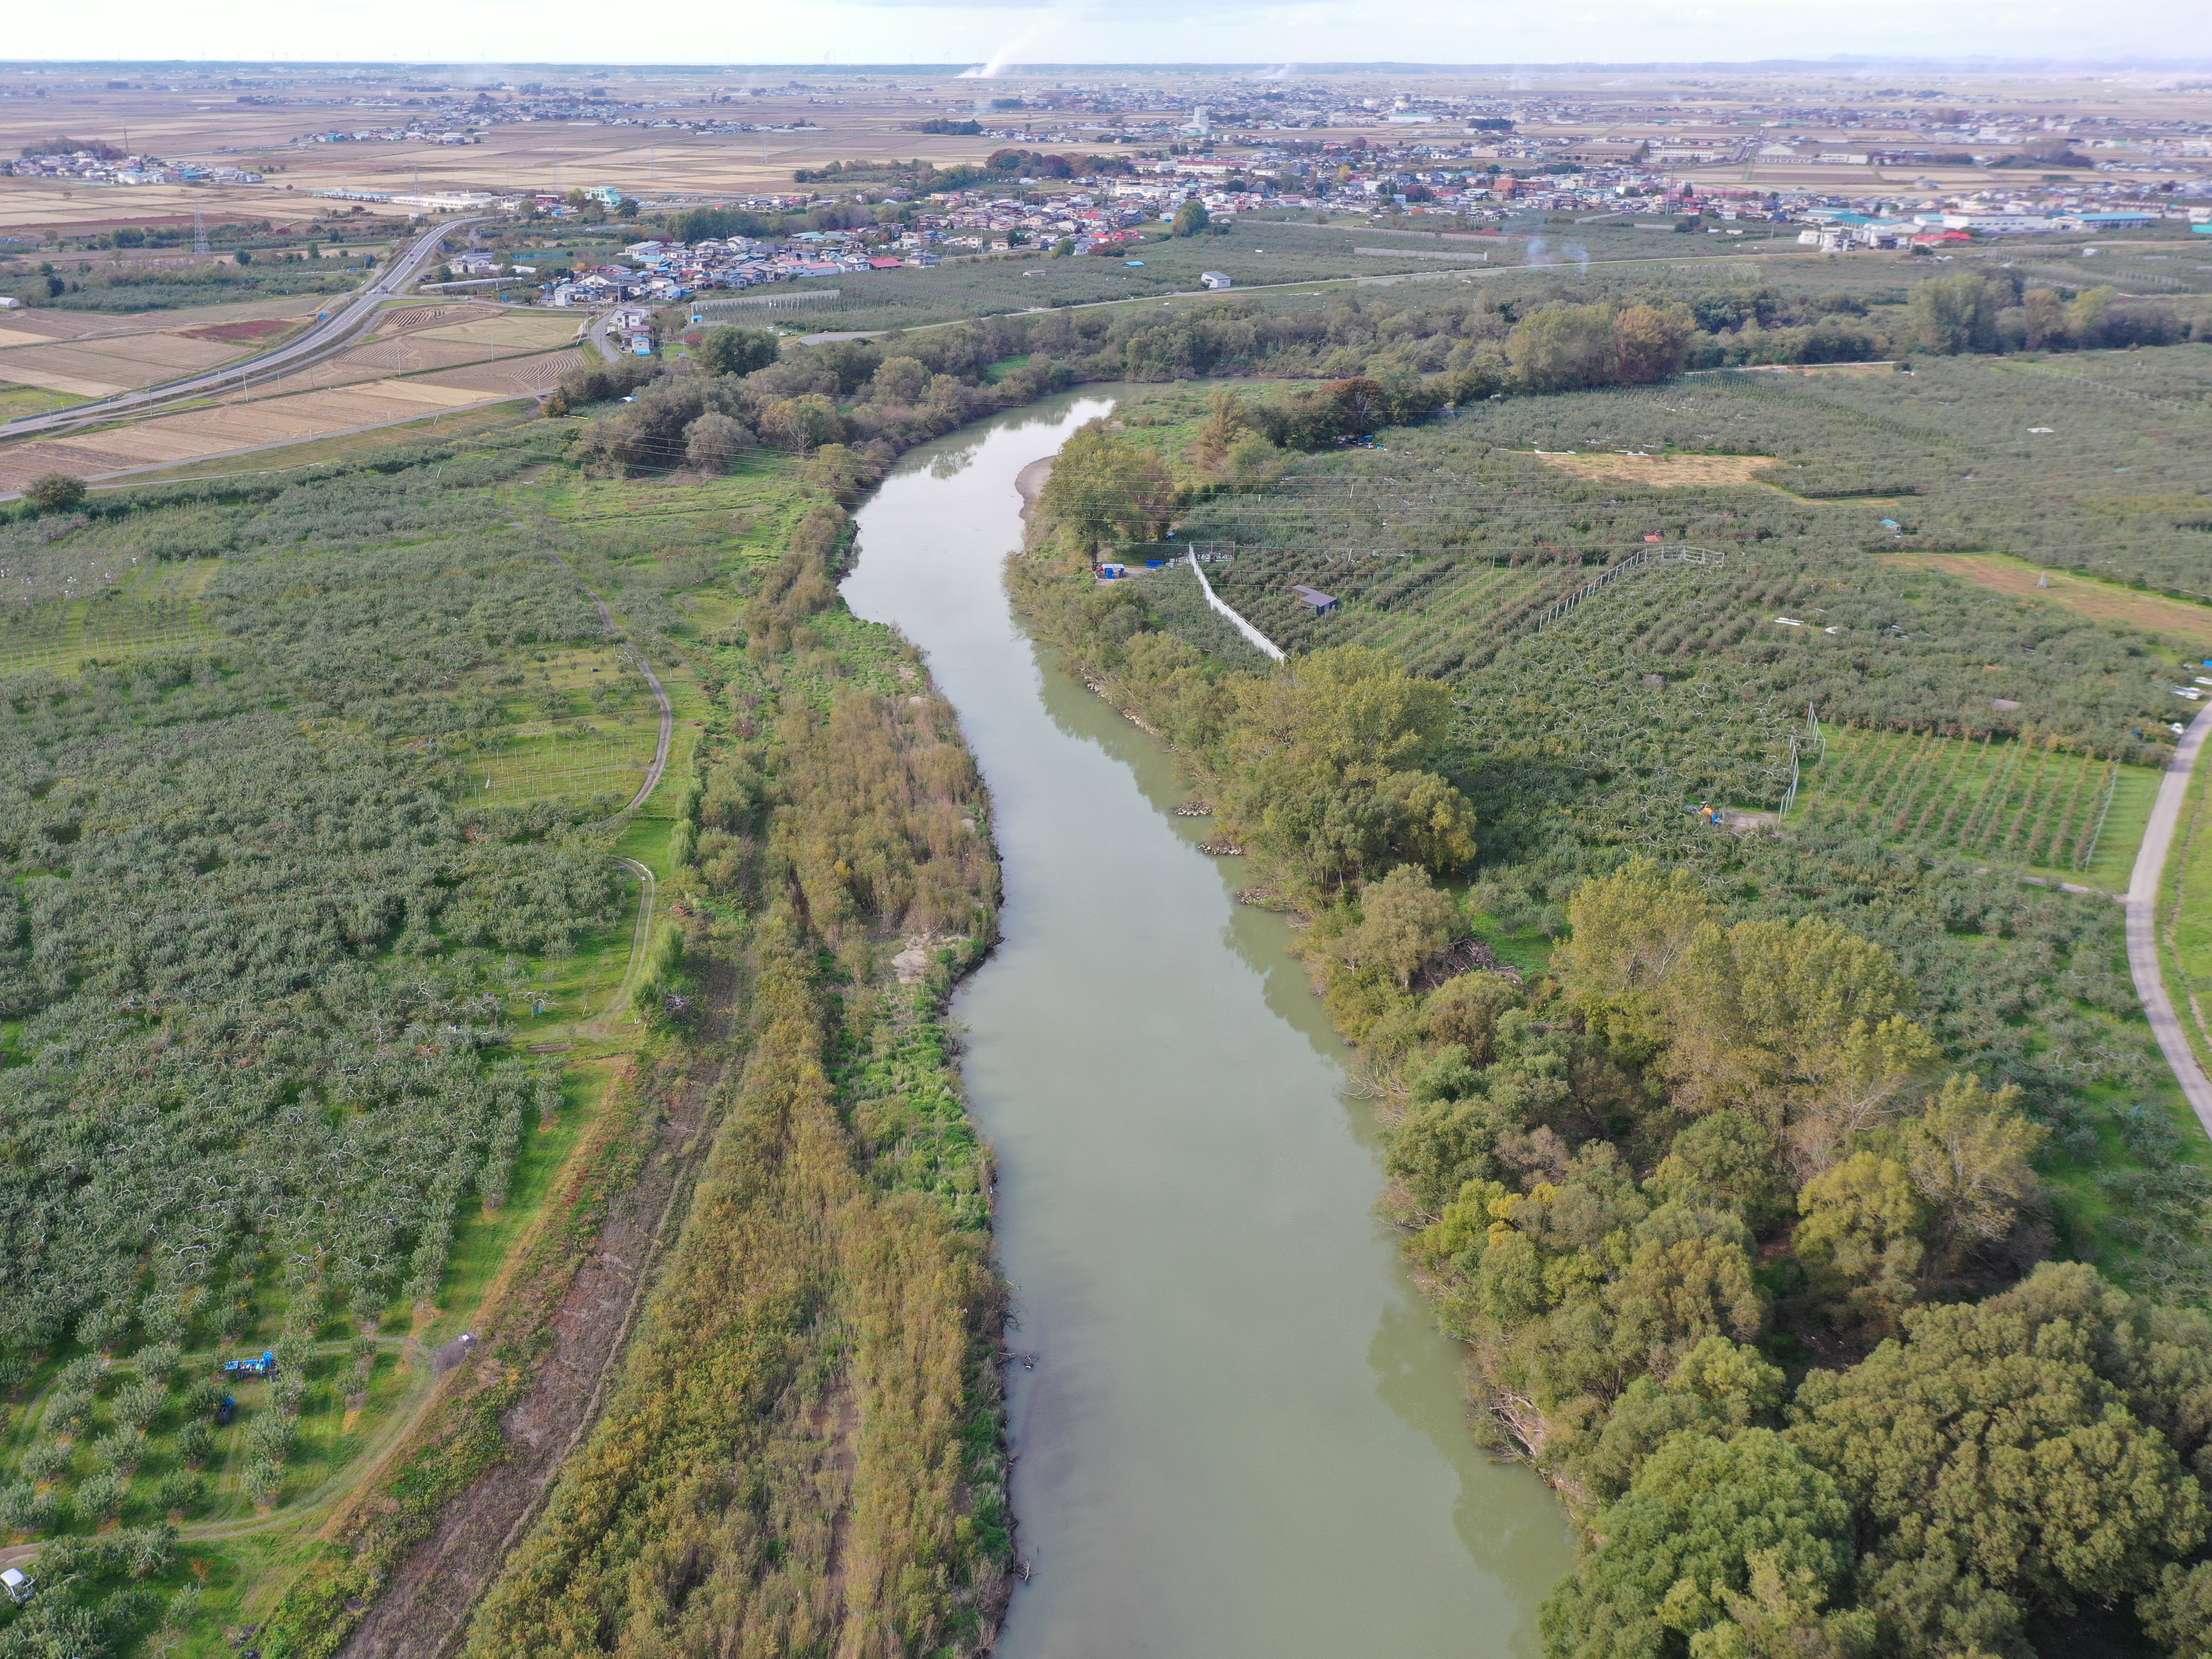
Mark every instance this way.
x=1243 y=1434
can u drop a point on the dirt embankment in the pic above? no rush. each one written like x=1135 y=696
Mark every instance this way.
x=425 y=1610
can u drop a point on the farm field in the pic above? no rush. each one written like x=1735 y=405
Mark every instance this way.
x=446 y=362
x=313 y=671
x=2185 y=626
x=49 y=325
x=239 y=424
x=2067 y=815
x=96 y=367
x=148 y=609
x=454 y=427
x=83 y=355
x=1257 y=253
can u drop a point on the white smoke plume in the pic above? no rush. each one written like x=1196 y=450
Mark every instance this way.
x=1004 y=58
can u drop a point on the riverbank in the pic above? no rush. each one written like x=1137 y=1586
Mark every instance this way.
x=1029 y=484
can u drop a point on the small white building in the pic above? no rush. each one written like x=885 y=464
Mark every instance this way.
x=1216 y=279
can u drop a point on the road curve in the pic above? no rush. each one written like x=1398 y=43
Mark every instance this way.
x=350 y=318
x=598 y=335
x=2142 y=918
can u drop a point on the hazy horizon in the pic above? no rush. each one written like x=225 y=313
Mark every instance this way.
x=2143 y=35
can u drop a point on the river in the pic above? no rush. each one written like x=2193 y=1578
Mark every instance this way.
x=1243 y=1434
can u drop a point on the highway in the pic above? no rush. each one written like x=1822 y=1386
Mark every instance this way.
x=349 y=320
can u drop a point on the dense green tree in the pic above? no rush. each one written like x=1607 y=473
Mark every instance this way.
x=714 y=440
x=1191 y=219
x=1330 y=761
x=1104 y=487
x=1719 y=1388
x=1997 y=1438
x=802 y=424
x=1863 y=1231
x=1404 y=922
x=1463 y=1012
x=54 y=492
x=1701 y=1515
x=1951 y=315
x=737 y=350
x=1561 y=348
x=900 y=380
x=1649 y=342
x=1970 y=1153
x=2178 y=1613
x=1727 y=1159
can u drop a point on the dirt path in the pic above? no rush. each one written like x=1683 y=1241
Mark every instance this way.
x=2143 y=921
x=424 y=1610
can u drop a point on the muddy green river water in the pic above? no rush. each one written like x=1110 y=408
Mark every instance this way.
x=1242 y=1434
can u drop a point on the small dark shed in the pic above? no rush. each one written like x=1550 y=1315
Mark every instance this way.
x=1314 y=599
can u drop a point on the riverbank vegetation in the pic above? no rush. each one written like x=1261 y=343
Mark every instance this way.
x=808 y=1418
x=1816 y=1211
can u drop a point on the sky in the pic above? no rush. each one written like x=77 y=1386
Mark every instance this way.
x=496 y=31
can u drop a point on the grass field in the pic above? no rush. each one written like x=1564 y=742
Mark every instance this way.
x=154 y=608
x=17 y=401
x=2068 y=815
x=1663 y=471
x=750 y=511
x=583 y=730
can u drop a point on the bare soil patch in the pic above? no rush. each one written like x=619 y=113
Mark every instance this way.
x=2175 y=620
x=258 y=329
x=1667 y=472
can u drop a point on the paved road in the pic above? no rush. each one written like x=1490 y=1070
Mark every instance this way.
x=598 y=335
x=2142 y=920
x=349 y=318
